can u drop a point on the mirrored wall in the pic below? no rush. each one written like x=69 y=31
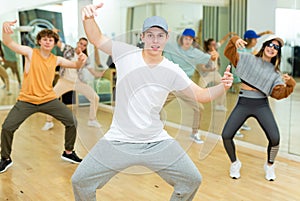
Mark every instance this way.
x=29 y=22
x=290 y=64
x=208 y=21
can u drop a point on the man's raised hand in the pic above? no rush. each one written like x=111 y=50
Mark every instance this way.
x=7 y=27
x=90 y=11
x=227 y=79
x=81 y=57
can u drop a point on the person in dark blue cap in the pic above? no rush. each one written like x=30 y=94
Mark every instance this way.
x=190 y=59
x=250 y=36
x=137 y=136
x=189 y=32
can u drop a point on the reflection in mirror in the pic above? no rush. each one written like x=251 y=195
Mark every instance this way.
x=203 y=19
x=30 y=23
x=10 y=74
x=290 y=64
x=182 y=15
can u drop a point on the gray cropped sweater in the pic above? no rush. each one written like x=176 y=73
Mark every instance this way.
x=258 y=73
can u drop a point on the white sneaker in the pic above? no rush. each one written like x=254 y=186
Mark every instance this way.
x=48 y=126
x=235 y=169
x=239 y=134
x=245 y=127
x=197 y=138
x=221 y=108
x=270 y=172
x=94 y=123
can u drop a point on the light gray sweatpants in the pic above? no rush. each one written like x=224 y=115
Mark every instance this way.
x=107 y=158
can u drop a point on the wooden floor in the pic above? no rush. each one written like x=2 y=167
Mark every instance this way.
x=286 y=112
x=38 y=173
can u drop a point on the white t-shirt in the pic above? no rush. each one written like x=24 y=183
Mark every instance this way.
x=140 y=95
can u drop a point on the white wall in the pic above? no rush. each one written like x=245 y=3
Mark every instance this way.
x=295 y=4
x=112 y=17
x=7 y=17
x=278 y=16
x=17 y=5
x=261 y=16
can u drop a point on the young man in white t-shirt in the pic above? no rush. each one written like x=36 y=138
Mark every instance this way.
x=136 y=136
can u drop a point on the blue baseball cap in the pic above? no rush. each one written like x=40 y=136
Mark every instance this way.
x=189 y=32
x=250 y=34
x=155 y=21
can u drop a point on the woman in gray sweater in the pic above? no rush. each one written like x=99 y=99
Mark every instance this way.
x=261 y=77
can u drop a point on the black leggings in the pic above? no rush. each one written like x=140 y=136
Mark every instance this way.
x=259 y=109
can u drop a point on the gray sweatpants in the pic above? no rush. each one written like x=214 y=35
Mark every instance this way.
x=107 y=158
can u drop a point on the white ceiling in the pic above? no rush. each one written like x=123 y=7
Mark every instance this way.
x=17 y=5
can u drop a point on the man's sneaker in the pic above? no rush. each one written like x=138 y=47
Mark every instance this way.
x=239 y=134
x=245 y=127
x=270 y=172
x=73 y=158
x=5 y=164
x=197 y=138
x=235 y=169
x=94 y=123
x=48 y=125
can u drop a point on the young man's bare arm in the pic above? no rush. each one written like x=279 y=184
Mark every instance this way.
x=204 y=95
x=17 y=48
x=72 y=64
x=7 y=31
x=96 y=73
x=92 y=30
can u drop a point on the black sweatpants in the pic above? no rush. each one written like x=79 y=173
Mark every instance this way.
x=22 y=110
x=258 y=108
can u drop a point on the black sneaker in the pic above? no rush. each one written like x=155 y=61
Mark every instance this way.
x=5 y=164
x=73 y=158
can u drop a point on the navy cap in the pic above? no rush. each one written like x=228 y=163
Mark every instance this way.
x=250 y=34
x=155 y=21
x=189 y=32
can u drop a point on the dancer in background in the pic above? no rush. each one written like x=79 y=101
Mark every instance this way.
x=250 y=36
x=3 y=74
x=261 y=78
x=212 y=75
x=190 y=59
x=10 y=61
x=72 y=79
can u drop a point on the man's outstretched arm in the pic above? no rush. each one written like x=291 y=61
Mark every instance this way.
x=93 y=31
